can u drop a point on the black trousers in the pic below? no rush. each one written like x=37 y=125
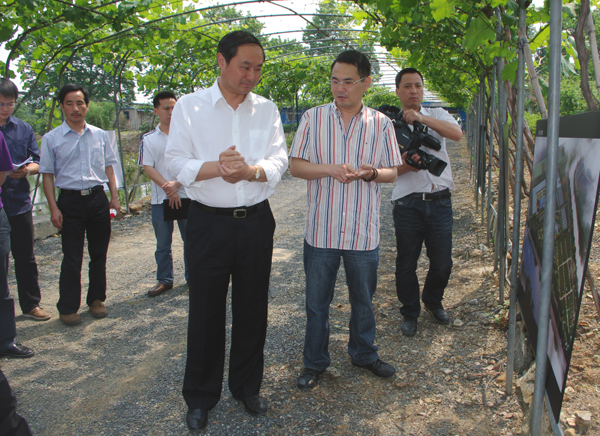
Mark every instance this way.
x=26 y=271
x=83 y=215
x=219 y=248
x=11 y=424
x=8 y=329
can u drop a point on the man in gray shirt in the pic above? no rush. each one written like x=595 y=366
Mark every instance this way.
x=77 y=158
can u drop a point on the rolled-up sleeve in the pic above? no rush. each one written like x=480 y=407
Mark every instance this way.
x=301 y=145
x=275 y=161
x=110 y=152
x=182 y=164
x=391 y=154
x=46 y=157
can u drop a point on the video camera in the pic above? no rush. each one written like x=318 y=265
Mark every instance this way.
x=410 y=141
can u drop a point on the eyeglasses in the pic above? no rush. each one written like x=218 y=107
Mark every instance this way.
x=8 y=104
x=346 y=83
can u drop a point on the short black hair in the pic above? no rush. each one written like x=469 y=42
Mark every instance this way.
x=356 y=58
x=407 y=71
x=71 y=87
x=229 y=44
x=162 y=95
x=8 y=89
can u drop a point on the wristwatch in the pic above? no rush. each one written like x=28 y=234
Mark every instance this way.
x=256 y=174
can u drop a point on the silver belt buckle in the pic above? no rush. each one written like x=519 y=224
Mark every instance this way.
x=239 y=213
x=86 y=191
x=425 y=197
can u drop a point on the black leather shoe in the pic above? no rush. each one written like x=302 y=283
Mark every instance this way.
x=379 y=368
x=409 y=326
x=308 y=378
x=196 y=419
x=17 y=351
x=439 y=314
x=255 y=405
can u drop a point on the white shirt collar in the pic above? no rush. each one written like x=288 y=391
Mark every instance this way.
x=216 y=95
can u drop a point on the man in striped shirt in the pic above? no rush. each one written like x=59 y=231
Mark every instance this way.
x=344 y=150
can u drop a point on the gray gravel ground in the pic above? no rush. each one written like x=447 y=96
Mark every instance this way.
x=122 y=375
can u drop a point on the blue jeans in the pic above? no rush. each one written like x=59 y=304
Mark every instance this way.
x=321 y=266
x=163 y=230
x=417 y=221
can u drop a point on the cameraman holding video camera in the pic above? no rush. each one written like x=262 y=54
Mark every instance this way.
x=423 y=209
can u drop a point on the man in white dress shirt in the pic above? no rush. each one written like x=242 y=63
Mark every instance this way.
x=423 y=210
x=77 y=158
x=226 y=147
x=152 y=157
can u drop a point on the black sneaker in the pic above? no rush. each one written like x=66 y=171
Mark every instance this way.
x=379 y=368
x=308 y=378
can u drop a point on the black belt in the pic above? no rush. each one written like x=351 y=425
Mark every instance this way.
x=429 y=196
x=236 y=212
x=83 y=192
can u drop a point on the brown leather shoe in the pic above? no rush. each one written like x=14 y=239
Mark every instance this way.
x=98 y=309
x=38 y=314
x=70 y=319
x=159 y=289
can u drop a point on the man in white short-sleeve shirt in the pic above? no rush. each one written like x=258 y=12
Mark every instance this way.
x=423 y=210
x=152 y=158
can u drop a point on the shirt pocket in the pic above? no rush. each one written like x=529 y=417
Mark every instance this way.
x=18 y=151
x=97 y=156
x=258 y=144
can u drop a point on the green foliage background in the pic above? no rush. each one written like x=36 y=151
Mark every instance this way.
x=147 y=45
x=101 y=114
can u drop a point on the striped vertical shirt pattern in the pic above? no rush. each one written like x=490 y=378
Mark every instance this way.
x=344 y=216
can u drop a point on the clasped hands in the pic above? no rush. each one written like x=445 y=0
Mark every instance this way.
x=344 y=173
x=233 y=167
x=171 y=189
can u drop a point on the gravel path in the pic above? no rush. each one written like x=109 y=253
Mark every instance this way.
x=122 y=375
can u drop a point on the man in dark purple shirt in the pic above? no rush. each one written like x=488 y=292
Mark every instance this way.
x=8 y=329
x=22 y=145
x=10 y=421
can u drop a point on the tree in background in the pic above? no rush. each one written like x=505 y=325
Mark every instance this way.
x=101 y=114
x=378 y=95
x=41 y=87
x=82 y=70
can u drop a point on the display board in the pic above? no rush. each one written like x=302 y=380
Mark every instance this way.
x=112 y=138
x=576 y=201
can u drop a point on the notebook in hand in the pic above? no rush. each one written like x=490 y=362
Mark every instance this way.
x=170 y=214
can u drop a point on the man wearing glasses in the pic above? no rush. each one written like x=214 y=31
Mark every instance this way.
x=344 y=150
x=22 y=146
